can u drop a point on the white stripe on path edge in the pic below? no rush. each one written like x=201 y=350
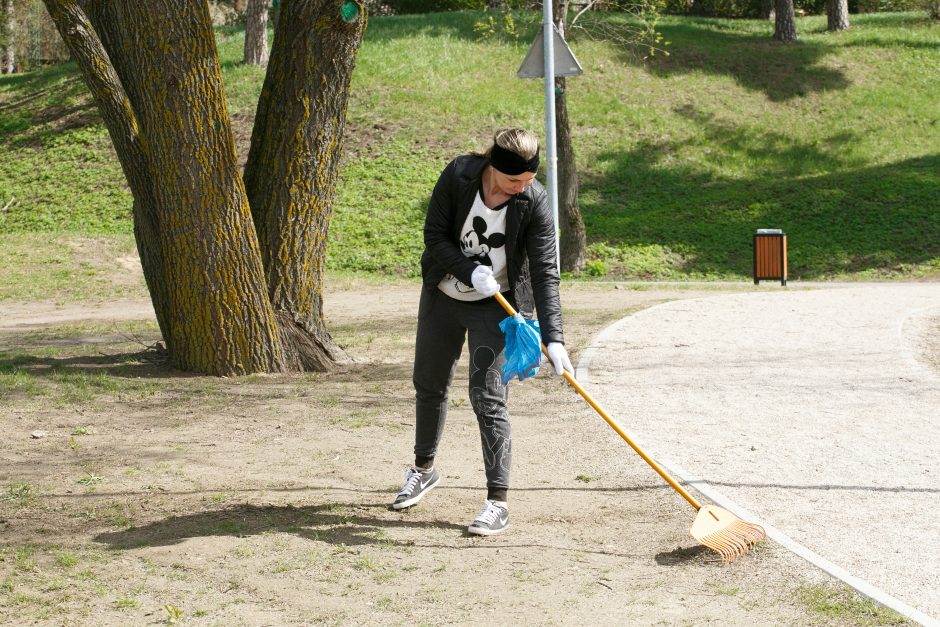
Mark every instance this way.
x=864 y=588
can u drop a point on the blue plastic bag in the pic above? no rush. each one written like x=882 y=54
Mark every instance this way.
x=523 y=347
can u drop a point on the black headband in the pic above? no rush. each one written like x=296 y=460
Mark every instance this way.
x=508 y=162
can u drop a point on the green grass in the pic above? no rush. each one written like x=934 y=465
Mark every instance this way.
x=839 y=603
x=833 y=139
x=47 y=366
x=67 y=266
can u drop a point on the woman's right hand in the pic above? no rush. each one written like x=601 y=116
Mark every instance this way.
x=483 y=281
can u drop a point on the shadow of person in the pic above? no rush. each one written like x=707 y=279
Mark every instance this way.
x=335 y=523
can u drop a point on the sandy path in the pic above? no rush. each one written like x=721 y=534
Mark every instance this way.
x=812 y=409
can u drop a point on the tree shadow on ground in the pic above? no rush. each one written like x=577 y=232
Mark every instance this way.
x=709 y=46
x=858 y=218
x=147 y=364
x=29 y=83
x=67 y=105
x=153 y=364
x=328 y=523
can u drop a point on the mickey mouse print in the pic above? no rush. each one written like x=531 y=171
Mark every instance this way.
x=483 y=241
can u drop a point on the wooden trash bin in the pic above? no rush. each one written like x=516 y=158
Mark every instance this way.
x=770 y=256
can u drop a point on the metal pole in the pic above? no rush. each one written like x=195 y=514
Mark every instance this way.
x=551 y=170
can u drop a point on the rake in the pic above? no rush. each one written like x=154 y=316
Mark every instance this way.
x=714 y=527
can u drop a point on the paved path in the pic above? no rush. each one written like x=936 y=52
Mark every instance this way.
x=809 y=408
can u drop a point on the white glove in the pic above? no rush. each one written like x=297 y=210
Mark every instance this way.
x=559 y=357
x=483 y=281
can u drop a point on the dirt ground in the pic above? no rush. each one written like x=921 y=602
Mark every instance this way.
x=136 y=494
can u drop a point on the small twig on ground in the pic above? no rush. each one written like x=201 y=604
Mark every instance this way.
x=155 y=352
x=9 y=204
x=136 y=340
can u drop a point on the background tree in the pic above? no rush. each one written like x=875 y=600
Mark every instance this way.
x=837 y=12
x=153 y=71
x=785 y=21
x=767 y=10
x=256 y=32
x=7 y=37
x=573 y=241
x=640 y=33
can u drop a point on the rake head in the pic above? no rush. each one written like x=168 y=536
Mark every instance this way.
x=722 y=531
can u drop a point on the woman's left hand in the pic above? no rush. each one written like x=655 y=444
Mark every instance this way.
x=559 y=357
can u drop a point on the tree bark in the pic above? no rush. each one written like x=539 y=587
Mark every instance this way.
x=8 y=26
x=838 y=13
x=173 y=137
x=256 y=32
x=293 y=161
x=573 y=240
x=785 y=22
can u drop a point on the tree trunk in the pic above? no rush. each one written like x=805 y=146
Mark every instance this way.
x=573 y=240
x=7 y=36
x=838 y=14
x=293 y=162
x=785 y=22
x=256 y=33
x=108 y=91
x=173 y=137
x=767 y=10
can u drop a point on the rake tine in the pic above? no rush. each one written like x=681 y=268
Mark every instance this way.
x=722 y=531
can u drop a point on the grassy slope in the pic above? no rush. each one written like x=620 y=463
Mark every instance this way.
x=835 y=139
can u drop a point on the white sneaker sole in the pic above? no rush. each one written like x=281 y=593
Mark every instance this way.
x=415 y=499
x=479 y=531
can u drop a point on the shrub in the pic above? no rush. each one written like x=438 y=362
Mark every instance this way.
x=883 y=6
x=933 y=9
x=811 y=7
x=404 y=7
x=596 y=268
x=713 y=8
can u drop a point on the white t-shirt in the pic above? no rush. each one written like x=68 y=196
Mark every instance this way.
x=483 y=240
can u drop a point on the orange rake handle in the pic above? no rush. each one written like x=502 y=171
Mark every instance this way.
x=610 y=421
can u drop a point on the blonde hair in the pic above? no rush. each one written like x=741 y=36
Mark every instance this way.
x=518 y=140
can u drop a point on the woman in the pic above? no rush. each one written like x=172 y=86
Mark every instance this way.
x=489 y=229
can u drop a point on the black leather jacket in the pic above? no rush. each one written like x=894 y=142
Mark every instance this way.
x=530 y=242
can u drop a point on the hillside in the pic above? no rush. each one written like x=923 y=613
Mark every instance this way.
x=835 y=139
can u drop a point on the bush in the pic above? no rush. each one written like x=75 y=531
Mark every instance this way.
x=745 y=8
x=713 y=8
x=885 y=6
x=933 y=9
x=596 y=268
x=404 y=7
x=811 y=7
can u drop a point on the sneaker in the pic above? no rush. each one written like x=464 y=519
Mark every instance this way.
x=417 y=484
x=492 y=520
